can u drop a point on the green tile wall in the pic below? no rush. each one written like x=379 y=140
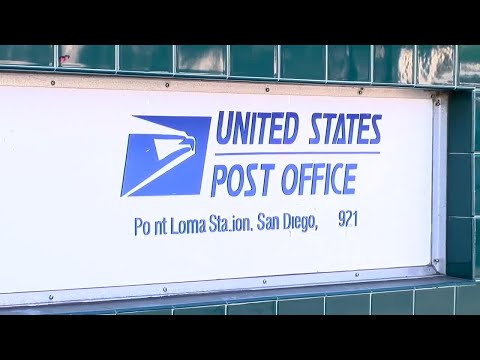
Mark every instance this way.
x=201 y=310
x=253 y=61
x=206 y=59
x=306 y=62
x=407 y=65
x=312 y=306
x=349 y=63
x=393 y=303
x=468 y=300
x=252 y=308
x=148 y=58
x=469 y=64
x=436 y=64
x=436 y=301
x=96 y=57
x=348 y=304
x=393 y=64
x=26 y=55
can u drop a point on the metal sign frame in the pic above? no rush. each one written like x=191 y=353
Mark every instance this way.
x=437 y=264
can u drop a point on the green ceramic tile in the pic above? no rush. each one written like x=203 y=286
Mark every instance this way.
x=257 y=308
x=204 y=59
x=393 y=303
x=147 y=312
x=98 y=312
x=469 y=64
x=303 y=62
x=358 y=304
x=439 y=301
x=435 y=64
x=26 y=55
x=201 y=310
x=312 y=306
x=460 y=121
x=477 y=121
x=253 y=60
x=393 y=64
x=146 y=58
x=460 y=247
x=101 y=57
x=477 y=184
x=349 y=62
x=468 y=300
x=477 y=248
x=459 y=184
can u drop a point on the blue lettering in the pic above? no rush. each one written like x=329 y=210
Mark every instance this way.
x=251 y=182
x=263 y=118
x=274 y=127
x=230 y=190
x=290 y=116
x=315 y=140
x=285 y=189
x=316 y=177
x=303 y=177
x=252 y=130
x=329 y=117
x=218 y=181
x=348 y=178
x=327 y=179
x=266 y=168
x=234 y=178
x=334 y=172
x=224 y=140
x=375 y=118
x=241 y=127
x=351 y=118
x=339 y=135
x=363 y=127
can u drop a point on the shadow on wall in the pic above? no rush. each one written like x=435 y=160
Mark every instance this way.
x=394 y=64
x=26 y=55
x=210 y=59
x=435 y=64
x=349 y=62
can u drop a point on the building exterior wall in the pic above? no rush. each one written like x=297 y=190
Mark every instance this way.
x=455 y=68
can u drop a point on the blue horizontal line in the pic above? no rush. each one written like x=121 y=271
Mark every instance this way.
x=301 y=153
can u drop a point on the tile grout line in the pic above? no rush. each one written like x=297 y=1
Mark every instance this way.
x=228 y=61
x=415 y=65
x=326 y=63
x=413 y=302
x=370 y=303
x=372 y=54
x=174 y=59
x=455 y=300
x=278 y=63
x=55 y=57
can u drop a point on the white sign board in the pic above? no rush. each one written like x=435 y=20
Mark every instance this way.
x=108 y=188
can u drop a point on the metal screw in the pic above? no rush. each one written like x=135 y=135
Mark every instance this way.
x=357 y=274
x=52 y=82
x=436 y=261
x=167 y=84
x=164 y=289
x=267 y=89
x=264 y=281
x=51 y=297
x=437 y=103
x=360 y=92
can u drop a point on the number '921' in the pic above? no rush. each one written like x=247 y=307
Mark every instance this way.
x=347 y=218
